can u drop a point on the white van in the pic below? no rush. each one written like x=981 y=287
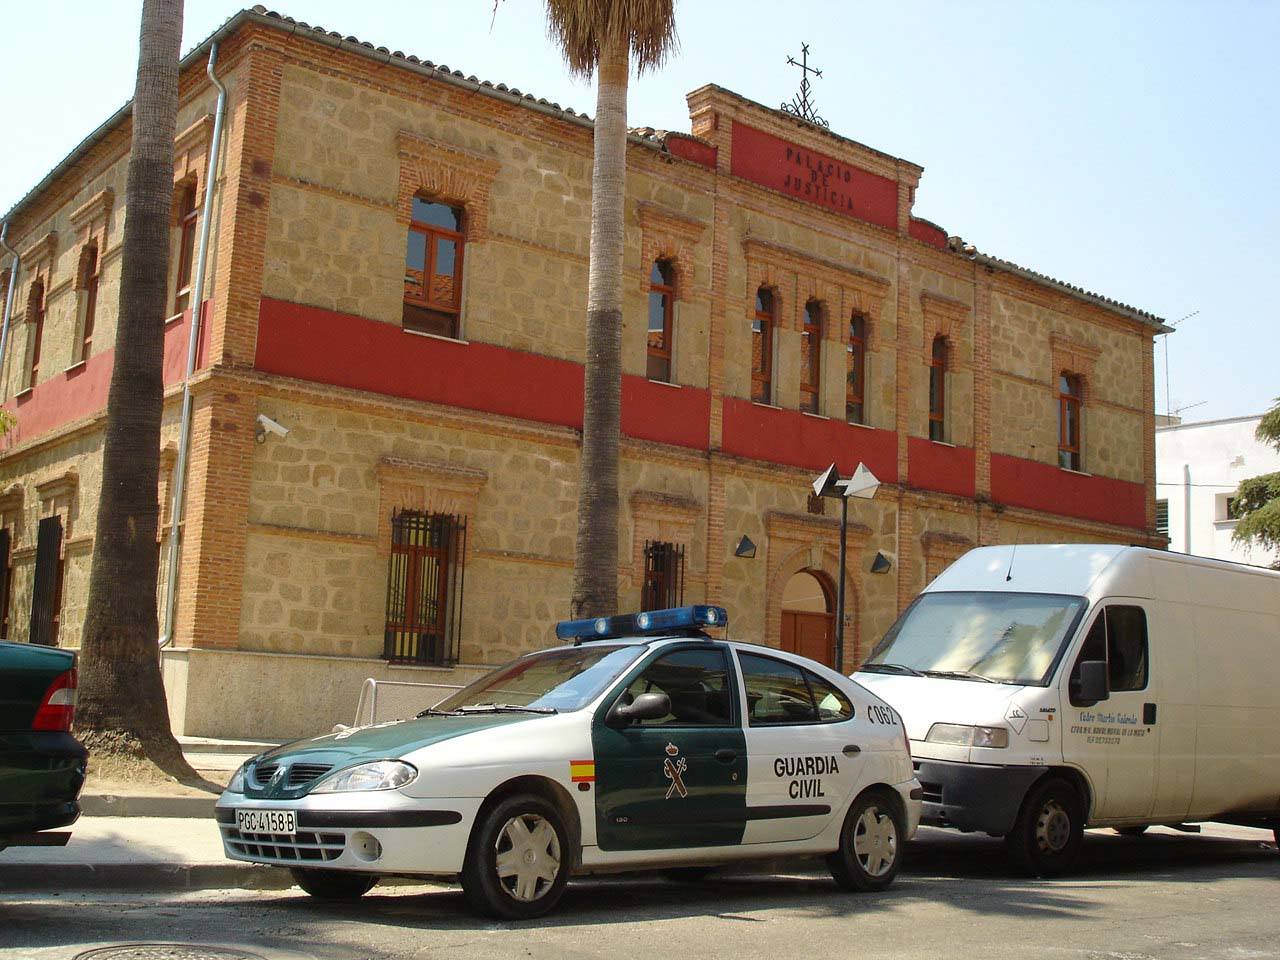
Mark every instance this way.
x=1049 y=688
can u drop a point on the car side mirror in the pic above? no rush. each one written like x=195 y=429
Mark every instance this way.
x=1090 y=685
x=647 y=706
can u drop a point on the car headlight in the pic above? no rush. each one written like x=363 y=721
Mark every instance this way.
x=378 y=775
x=962 y=735
x=236 y=783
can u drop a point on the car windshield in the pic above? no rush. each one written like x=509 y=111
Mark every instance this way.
x=1001 y=637
x=559 y=680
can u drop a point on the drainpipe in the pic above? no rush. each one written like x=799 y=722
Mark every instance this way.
x=8 y=300
x=193 y=343
x=1186 y=508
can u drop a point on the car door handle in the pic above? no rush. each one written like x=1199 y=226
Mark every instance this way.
x=852 y=750
x=726 y=755
x=1148 y=713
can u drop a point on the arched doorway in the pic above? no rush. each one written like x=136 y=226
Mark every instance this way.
x=808 y=618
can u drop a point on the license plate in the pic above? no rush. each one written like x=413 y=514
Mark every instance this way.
x=278 y=822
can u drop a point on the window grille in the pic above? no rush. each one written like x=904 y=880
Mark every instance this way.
x=46 y=594
x=424 y=588
x=1162 y=517
x=663 y=576
x=6 y=581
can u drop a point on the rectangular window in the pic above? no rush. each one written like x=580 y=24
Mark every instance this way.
x=663 y=576
x=697 y=683
x=46 y=594
x=1226 y=507
x=1118 y=636
x=811 y=358
x=1162 y=517
x=855 y=409
x=1069 y=411
x=433 y=269
x=6 y=581
x=762 y=348
x=35 y=329
x=424 y=588
x=187 y=216
x=662 y=295
x=938 y=390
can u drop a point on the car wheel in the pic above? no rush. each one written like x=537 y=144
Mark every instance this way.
x=1047 y=834
x=686 y=874
x=518 y=859
x=333 y=884
x=870 y=844
x=1136 y=831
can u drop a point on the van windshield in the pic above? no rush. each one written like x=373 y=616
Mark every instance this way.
x=998 y=637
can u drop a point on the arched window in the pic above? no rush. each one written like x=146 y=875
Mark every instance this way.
x=1070 y=408
x=811 y=358
x=855 y=408
x=187 y=217
x=938 y=390
x=433 y=268
x=86 y=301
x=662 y=295
x=762 y=347
x=35 y=329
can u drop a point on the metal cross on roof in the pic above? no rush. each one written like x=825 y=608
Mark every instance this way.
x=801 y=105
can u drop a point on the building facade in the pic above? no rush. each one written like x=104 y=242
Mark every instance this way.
x=1199 y=466
x=397 y=279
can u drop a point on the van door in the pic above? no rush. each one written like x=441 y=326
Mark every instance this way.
x=1117 y=735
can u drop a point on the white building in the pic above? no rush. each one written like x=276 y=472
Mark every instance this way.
x=1198 y=468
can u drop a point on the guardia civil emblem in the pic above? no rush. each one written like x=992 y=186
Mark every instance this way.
x=673 y=768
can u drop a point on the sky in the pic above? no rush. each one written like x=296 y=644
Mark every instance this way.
x=1127 y=147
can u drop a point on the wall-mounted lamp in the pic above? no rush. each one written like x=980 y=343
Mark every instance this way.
x=746 y=548
x=881 y=563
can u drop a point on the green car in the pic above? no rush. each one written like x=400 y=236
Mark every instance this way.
x=42 y=766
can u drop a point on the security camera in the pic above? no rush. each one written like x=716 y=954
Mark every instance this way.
x=267 y=425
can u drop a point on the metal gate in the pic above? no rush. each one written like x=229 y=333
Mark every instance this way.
x=663 y=575
x=424 y=588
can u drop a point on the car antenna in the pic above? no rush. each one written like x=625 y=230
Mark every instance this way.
x=1012 y=553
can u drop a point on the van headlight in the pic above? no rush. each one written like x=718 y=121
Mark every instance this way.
x=962 y=735
x=378 y=775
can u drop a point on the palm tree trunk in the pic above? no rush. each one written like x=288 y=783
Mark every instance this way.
x=595 y=572
x=122 y=708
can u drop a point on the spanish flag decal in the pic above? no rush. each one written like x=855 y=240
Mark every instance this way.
x=582 y=771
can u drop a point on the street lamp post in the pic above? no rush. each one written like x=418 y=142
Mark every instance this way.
x=863 y=484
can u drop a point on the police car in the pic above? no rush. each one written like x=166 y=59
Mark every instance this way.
x=644 y=743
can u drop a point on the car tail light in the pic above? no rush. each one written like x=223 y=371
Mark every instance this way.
x=58 y=708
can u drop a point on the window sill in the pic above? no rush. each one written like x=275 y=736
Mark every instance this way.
x=434 y=336
x=1225 y=524
x=816 y=416
x=432 y=667
x=76 y=367
x=666 y=383
x=944 y=443
x=767 y=406
x=176 y=318
x=24 y=394
x=860 y=426
x=1077 y=473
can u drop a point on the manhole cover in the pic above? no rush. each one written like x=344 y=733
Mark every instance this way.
x=167 y=951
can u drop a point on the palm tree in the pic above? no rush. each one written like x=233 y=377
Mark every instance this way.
x=122 y=710
x=601 y=37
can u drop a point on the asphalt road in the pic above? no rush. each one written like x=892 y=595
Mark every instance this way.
x=1166 y=895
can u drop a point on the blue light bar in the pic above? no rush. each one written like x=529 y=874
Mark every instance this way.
x=651 y=622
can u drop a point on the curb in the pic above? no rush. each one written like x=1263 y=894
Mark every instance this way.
x=142 y=876
x=187 y=808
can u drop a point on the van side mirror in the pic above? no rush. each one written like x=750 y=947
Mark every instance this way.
x=1090 y=685
x=647 y=706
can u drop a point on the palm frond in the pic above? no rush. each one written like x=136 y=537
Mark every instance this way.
x=581 y=28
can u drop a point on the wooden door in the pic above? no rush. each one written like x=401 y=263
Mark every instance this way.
x=811 y=635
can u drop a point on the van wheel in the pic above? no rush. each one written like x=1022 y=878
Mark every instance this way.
x=518 y=860
x=1136 y=831
x=1047 y=835
x=871 y=841
x=333 y=884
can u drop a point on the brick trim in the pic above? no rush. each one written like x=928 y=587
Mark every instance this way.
x=453 y=174
x=428 y=486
